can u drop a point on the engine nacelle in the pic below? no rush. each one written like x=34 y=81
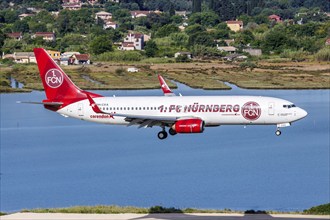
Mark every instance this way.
x=189 y=126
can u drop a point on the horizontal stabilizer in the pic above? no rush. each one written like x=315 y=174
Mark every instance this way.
x=43 y=103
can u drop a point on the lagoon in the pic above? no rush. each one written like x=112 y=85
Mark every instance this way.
x=51 y=161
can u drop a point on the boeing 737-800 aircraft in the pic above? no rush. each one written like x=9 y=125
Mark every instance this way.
x=181 y=114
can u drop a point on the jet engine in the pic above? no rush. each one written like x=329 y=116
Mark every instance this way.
x=193 y=125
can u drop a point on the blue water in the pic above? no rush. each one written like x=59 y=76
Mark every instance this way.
x=51 y=161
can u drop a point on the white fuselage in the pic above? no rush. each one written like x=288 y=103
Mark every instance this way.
x=213 y=110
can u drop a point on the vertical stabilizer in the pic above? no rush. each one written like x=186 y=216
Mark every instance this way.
x=58 y=86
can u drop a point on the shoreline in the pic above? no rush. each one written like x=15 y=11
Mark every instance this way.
x=320 y=210
x=168 y=216
x=197 y=75
x=154 y=88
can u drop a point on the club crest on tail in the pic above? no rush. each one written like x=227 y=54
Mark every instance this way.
x=54 y=78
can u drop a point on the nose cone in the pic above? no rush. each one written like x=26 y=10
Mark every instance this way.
x=302 y=113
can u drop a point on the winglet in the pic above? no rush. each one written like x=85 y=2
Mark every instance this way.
x=94 y=106
x=166 y=90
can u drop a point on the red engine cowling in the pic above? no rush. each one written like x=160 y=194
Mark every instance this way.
x=189 y=126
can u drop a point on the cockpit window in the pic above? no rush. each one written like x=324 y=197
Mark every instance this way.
x=289 y=106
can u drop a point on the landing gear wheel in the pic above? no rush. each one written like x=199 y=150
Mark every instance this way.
x=162 y=135
x=278 y=132
x=172 y=131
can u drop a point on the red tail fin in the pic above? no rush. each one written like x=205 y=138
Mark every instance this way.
x=58 y=86
x=166 y=90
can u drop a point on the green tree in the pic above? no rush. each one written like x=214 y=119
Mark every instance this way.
x=179 y=39
x=244 y=37
x=122 y=16
x=277 y=40
x=37 y=27
x=201 y=38
x=151 y=48
x=208 y=19
x=2 y=39
x=21 y=26
x=176 y=19
x=166 y=30
x=195 y=28
x=196 y=6
x=11 y=45
x=63 y=22
x=220 y=34
x=10 y=16
x=100 y=44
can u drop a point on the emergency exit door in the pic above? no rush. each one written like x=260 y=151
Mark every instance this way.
x=80 y=109
x=271 y=108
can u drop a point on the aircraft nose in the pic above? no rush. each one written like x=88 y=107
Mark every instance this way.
x=303 y=113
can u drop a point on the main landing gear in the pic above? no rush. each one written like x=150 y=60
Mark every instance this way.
x=163 y=134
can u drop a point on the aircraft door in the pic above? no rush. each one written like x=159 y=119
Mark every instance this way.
x=271 y=108
x=80 y=109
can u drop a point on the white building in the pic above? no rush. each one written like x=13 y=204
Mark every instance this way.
x=110 y=24
x=103 y=15
x=137 y=40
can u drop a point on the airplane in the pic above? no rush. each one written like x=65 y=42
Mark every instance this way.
x=180 y=114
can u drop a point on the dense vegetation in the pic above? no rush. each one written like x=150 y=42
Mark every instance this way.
x=319 y=210
x=79 y=31
x=102 y=209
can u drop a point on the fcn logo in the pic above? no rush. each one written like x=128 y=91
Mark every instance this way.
x=251 y=111
x=54 y=78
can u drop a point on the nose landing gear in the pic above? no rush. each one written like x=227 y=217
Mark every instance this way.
x=278 y=132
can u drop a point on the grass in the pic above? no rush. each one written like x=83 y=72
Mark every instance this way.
x=113 y=209
x=102 y=209
x=206 y=75
x=263 y=76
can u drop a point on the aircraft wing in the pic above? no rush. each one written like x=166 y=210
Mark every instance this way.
x=142 y=120
x=147 y=120
x=166 y=90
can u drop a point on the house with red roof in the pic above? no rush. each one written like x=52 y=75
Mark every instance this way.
x=138 y=14
x=127 y=46
x=46 y=36
x=275 y=18
x=15 y=35
x=81 y=59
x=327 y=42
